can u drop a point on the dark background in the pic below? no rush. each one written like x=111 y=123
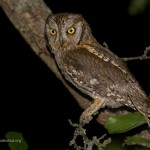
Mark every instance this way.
x=33 y=101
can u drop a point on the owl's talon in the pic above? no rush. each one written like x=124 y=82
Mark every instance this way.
x=85 y=119
x=86 y=116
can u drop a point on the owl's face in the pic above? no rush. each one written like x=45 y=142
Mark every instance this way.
x=64 y=31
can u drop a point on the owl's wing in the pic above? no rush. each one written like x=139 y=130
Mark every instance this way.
x=136 y=95
x=105 y=76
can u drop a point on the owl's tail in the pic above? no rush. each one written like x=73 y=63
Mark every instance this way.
x=149 y=105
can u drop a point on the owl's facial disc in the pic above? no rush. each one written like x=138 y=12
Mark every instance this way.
x=63 y=31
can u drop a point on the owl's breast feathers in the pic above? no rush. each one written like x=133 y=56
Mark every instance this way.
x=101 y=73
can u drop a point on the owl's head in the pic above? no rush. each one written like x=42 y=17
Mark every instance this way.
x=65 y=31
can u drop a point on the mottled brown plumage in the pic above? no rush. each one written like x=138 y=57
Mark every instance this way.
x=92 y=68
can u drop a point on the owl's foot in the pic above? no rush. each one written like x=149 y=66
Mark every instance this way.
x=86 y=116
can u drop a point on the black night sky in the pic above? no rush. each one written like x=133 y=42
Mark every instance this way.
x=33 y=100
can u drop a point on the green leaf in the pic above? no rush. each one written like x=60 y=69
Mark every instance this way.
x=124 y=123
x=16 y=141
x=136 y=139
x=137 y=6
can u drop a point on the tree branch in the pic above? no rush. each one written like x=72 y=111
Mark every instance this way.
x=142 y=57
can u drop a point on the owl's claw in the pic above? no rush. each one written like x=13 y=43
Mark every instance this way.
x=86 y=116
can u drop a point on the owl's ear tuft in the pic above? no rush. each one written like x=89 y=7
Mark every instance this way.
x=47 y=19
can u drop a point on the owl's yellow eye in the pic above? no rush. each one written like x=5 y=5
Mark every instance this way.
x=71 y=30
x=53 y=32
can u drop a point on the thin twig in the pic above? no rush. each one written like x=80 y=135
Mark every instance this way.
x=88 y=144
x=142 y=57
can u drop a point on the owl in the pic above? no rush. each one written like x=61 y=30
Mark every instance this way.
x=92 y=68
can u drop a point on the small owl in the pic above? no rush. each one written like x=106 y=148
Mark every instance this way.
x=92 y=68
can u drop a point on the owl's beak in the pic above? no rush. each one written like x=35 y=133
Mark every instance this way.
x=61 y=42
